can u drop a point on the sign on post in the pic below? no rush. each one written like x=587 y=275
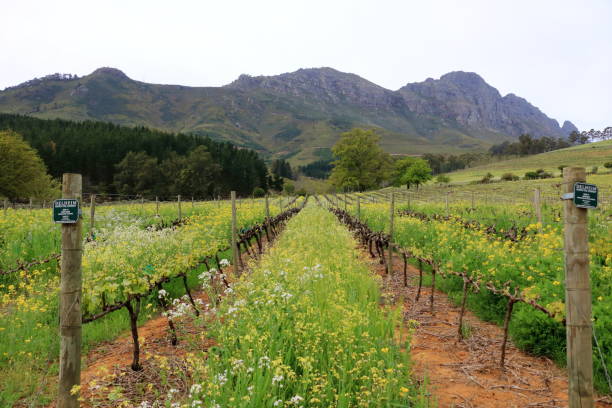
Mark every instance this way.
x=585 y=195
x=66 y=211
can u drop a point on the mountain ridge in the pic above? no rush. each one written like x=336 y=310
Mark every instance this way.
x=296 y=115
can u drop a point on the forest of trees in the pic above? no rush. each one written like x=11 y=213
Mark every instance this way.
x=441 y=163
x=106 y=154
x=320 y=169
x=527 y=145
x=282 y=168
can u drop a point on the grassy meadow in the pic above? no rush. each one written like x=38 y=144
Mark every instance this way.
x=588 y=155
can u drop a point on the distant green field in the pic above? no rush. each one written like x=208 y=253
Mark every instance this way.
x=311 y=185
x=588 y=155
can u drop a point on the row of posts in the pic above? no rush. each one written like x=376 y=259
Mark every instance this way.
x=579 y=325
x=577 y=283
x=71 y=283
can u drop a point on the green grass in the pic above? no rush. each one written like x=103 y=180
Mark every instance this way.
x=306 y=326
x=312 y=185
x=588 y=155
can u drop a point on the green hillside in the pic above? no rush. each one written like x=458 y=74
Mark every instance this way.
x=276 y=124
x=587 y=155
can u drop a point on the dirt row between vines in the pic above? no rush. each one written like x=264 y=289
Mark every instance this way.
x=107 y=379
x=466 y=373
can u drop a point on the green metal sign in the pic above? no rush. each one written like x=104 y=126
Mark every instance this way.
x=585 y=195
x=66 y=211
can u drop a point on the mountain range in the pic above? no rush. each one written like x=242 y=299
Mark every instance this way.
x=296 y=115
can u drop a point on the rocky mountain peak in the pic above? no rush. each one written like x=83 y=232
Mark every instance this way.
x=568 y=127
x=323 y=84
x=109 y=72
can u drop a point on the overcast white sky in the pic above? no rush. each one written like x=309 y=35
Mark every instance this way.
x=556 y=54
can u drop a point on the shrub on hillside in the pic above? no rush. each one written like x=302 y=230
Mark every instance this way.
x=538 y=174
x=509 y=177
x=487 y=178
x=443 y=179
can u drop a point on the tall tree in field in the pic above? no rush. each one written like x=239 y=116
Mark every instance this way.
x=22 y=172
x=360 y=162
x=199 y=174
x=416 y=173
x=138 y=173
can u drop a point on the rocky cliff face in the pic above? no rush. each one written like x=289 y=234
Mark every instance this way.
x=324 y=85
x=467 y=99
x=460 y=97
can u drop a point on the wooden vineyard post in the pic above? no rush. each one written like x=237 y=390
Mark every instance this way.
x=447 y=213
x=70 y=300
x=156 y=206
x=345 y=202
x=391 y=219
x=5 y=206
x=537 y=204
x=408 y=194
x=234 y=232
x=577 y=296
x=178 y=200
x=358 y=208
x=466 y=288
x=30 y=204
x=92 y=214
x=267 y=228
x=192 y=203
x=142 y=204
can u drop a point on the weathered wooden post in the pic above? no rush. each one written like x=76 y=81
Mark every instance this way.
x=70 y=298
x=5 y=206
x=391 y=219
x=447 y=213
x=156 y=206
x=537 y=204
x=577 y=295
x=358 y=208
x=92 y=214
x=345 y=203
x=234 y=233
x=192 y=203
x=142 y=204
x=267 y=207
x=178 y=199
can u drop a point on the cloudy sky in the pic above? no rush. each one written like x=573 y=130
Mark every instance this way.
x=556 y=54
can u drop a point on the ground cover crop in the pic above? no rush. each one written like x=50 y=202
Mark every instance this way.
x=128 y=251
x=305 y=329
